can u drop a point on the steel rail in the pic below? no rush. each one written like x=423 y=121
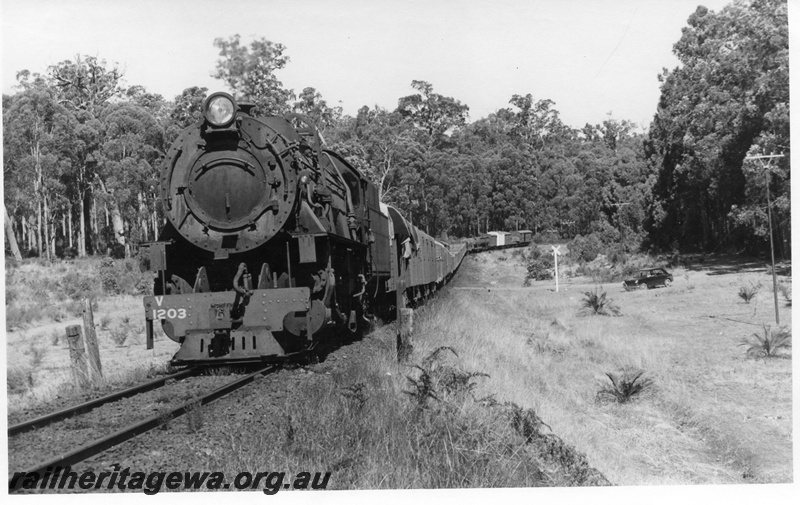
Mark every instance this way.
x=125 y=434
x=45 y=420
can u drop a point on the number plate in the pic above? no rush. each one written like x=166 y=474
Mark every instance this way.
x=169 y=314
x=221 y=311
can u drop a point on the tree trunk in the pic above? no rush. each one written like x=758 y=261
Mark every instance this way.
x=82 y=229
x=69 y=226
x=52 y=251
x=34 y=236
x=93 y=216
x=118 y=224
x=142 y=218
x=47 y=228
x=12 y=239
x=31 y=235
x=39 y=228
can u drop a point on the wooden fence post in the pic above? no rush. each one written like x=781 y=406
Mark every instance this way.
x=77 y=357
x=405 y=328
x=90 y=342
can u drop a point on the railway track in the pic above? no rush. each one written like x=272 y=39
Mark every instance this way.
x=42 y=421
x=121 y=435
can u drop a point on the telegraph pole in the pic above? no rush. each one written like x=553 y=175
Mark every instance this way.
x=766 y=165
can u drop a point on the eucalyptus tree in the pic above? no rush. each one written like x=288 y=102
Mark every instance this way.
x=128 y=158
x=250 y=73
x=311 y=104
x=729 y=97
x=85 y=86
x=38 y=134
x=434 y=114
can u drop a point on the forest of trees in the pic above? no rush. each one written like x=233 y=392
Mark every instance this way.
x=82 y=150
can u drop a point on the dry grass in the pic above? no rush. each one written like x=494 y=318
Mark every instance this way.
x=37 y=293
x=41 y=302
x=712 y=416
x=416 y=426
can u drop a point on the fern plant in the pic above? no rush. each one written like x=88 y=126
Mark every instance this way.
x=624 y=386
x=440 y=381
x=597 y=303
x=768 y=344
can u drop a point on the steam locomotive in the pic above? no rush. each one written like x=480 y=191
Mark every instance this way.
x=274 y=243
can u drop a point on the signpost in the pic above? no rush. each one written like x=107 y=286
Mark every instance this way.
x=556 y=254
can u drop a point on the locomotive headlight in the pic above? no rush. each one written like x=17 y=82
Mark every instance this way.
x=220 y=109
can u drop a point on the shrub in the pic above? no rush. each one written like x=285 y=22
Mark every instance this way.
x=123 y=277
x=596 y=303
x=116 y=251
x=19 y=379
x=12 y=292
x=624 y=386
x=20 y=317
x=55 y=336
x=768 y=344
x=59 y=313
x=747 y=293
x=108 y=276
x=546 y=237
x=79 y=285
x=540 y=264
x=786 y=291
x=36 y=353
x=543 y=345
x=585 y=249
x=120 y=334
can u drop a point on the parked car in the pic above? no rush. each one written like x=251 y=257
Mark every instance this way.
x=650 y=277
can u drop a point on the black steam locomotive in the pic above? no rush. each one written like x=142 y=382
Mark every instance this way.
x=274 y=243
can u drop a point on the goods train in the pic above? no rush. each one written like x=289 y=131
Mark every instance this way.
x=498 y=240
x=273 y=243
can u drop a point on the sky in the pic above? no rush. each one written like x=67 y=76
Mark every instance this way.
x=590 y=57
